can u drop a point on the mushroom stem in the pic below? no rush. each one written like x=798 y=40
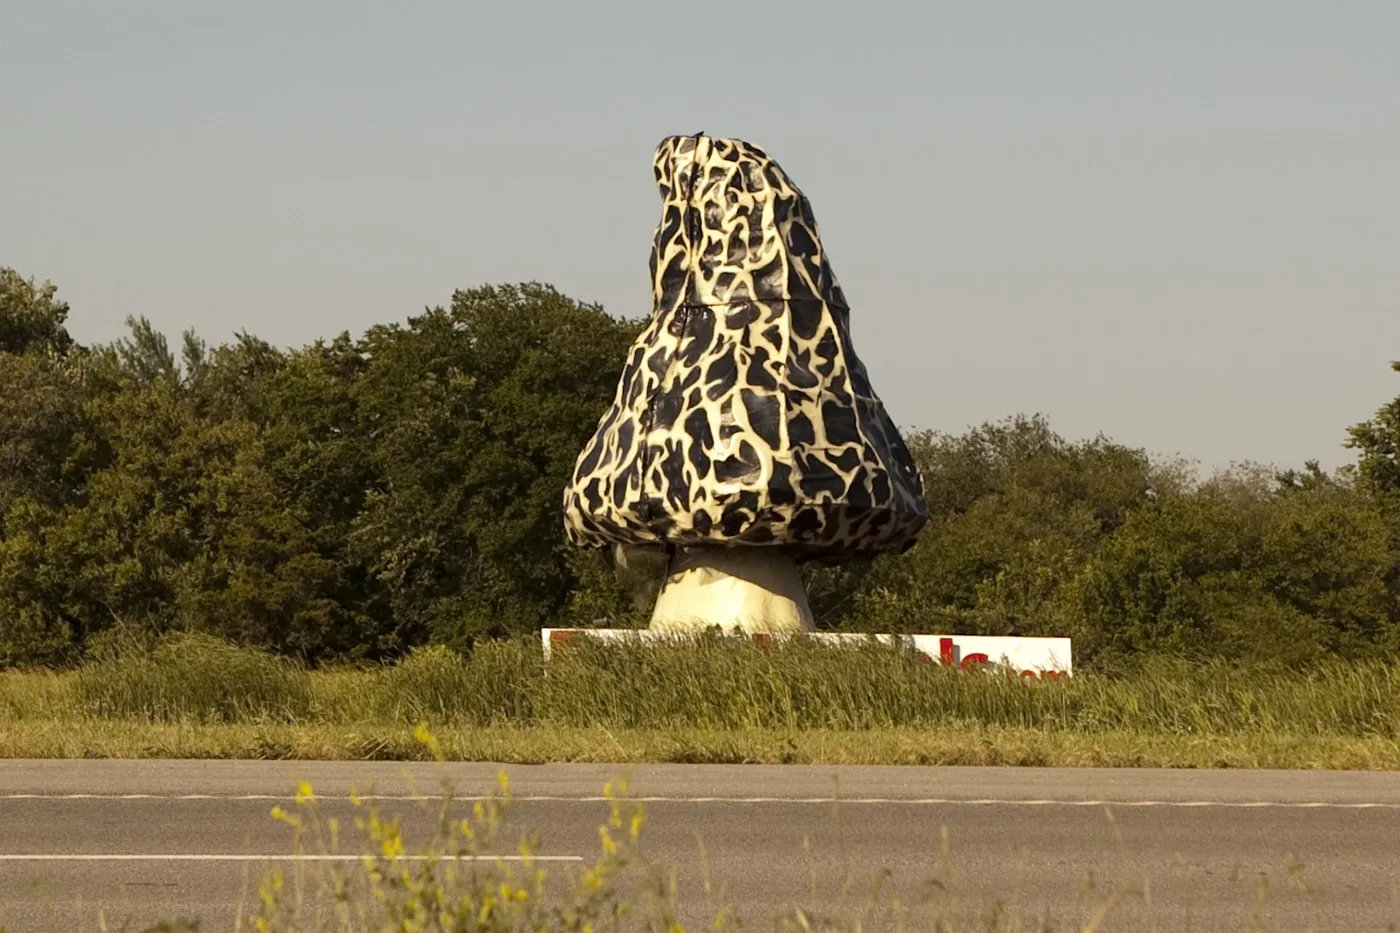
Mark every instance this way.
x=752 y=589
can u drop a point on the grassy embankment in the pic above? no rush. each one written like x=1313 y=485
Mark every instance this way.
x=717 y=700
x=711 y=701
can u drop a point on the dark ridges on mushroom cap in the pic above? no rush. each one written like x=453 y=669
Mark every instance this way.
x=743 y=416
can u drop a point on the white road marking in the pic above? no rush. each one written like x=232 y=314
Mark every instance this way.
x=218 y=857
x=909 y=801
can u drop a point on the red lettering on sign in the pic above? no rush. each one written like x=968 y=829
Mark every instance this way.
x=948 y=652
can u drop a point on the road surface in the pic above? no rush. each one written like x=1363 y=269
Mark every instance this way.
x=141 y=841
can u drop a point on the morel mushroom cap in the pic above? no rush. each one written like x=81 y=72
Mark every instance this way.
x=743 y=416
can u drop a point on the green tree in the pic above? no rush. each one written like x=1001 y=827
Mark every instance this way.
x=32 y=318
x=1244 y=567
x=1377 y=441
x=40 y=417
x=169 y=515
x=1014 y=511
x=473 y=416
x=41 y=430
x=183 y=529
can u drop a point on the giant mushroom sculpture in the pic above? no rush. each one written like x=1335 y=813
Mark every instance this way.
x=745 y=437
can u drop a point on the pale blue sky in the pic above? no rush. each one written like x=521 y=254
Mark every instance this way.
x=1175 y=222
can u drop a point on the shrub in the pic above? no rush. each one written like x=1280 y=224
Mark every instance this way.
x=196 y=677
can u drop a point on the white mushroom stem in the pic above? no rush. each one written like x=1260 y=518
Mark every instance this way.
x=749 y=589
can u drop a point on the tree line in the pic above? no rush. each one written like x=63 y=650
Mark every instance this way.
x=359 y=496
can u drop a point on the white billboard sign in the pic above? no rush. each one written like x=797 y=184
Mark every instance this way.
x=1041 y=658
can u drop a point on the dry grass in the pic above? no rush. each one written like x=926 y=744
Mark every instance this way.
x=972 y=745
x=713 y=700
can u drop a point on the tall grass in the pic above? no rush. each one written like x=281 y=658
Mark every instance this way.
x=710 y=683
x=723 y=683
x=193 y=677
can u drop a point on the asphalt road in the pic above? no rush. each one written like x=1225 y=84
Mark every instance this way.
x=139 y=841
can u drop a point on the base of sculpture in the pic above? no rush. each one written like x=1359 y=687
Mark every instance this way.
x=748 y=589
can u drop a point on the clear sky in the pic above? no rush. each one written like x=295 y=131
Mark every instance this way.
x=1175 y=222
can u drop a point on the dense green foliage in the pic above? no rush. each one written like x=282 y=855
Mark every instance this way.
x=359 y=497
